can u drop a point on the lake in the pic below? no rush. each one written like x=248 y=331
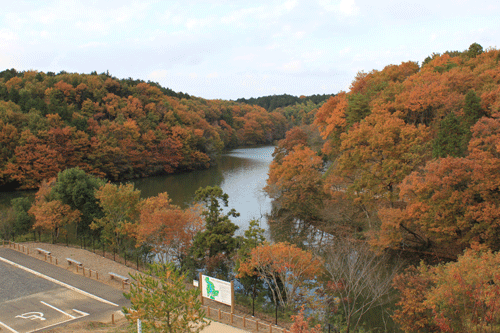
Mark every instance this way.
x=241 y=173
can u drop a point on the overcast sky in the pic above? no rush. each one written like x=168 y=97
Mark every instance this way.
x=231 y=49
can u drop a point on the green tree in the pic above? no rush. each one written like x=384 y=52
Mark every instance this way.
x=23 y=221
x=213 y=248
x=475 y=49
x=450 y=140
x=77 y=189
x=472 y=108
x=120 y=205
x=210 y=196
x=162 y=302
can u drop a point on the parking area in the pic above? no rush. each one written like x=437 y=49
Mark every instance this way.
x=31 y=301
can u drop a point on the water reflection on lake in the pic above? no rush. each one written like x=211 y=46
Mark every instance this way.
x=241 y=173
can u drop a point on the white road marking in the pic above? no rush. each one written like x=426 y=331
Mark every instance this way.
x=83 y=314
x=32 y=316
x=58 y=282
x=7 y=327
x=58 y=310
x=58 y=323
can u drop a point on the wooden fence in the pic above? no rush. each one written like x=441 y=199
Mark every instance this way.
x=248 y=323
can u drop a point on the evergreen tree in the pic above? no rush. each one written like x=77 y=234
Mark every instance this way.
x=213 y=248
x=76 y=189
x=472 y=108
x=450 y=140
x=23 y=222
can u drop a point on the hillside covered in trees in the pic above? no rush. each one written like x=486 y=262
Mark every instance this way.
x=410 y=164
x=406 y=164
x=273 y=102
x=117 y=129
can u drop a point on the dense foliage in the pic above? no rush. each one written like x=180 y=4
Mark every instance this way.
x=407 y=162
x=410 y=165
x=461 y=296
x=280 y=101
x=411 y=154
x=117 y=129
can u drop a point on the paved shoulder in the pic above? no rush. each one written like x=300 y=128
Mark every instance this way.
x=35 y=295
x=58 y=273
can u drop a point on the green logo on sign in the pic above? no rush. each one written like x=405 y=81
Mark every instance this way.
x=212 y=293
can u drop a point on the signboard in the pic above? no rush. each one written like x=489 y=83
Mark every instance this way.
x=215 y=289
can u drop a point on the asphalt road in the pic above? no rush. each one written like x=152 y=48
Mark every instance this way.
x=35 y=295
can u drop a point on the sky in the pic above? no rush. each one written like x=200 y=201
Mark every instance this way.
x=229 y=49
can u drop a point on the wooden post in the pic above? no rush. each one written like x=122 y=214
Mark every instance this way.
x=231 y=318
x=50 y=259
x=96 y=275
x=208 y=311
x=244 y=322
x=219 y=315
x=270 y=328
x=200 y=283
x=113 y=318
x=56 y=261
x=45 y=256
x=257 y=325
x=232 y=296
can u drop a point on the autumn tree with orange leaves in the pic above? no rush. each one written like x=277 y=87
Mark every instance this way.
x=169 y=229
x=452 y=202
x=296 y=184
x=51 y=215
x=301 y=325
x=286 y=269
x=461 y=296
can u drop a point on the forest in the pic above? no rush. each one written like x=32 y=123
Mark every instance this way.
x=116 y=129
x=410 y=167
x=386 y=197
x=270 y=103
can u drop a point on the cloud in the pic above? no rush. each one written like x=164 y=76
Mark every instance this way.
x=7 y=35
x=292 y=66
x=92 y=45
x=196 y=24
x=344 y=7
x=348 y=8
x=345 y=51
x=158 y=75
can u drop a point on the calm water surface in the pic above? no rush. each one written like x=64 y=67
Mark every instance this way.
x=241 y=173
